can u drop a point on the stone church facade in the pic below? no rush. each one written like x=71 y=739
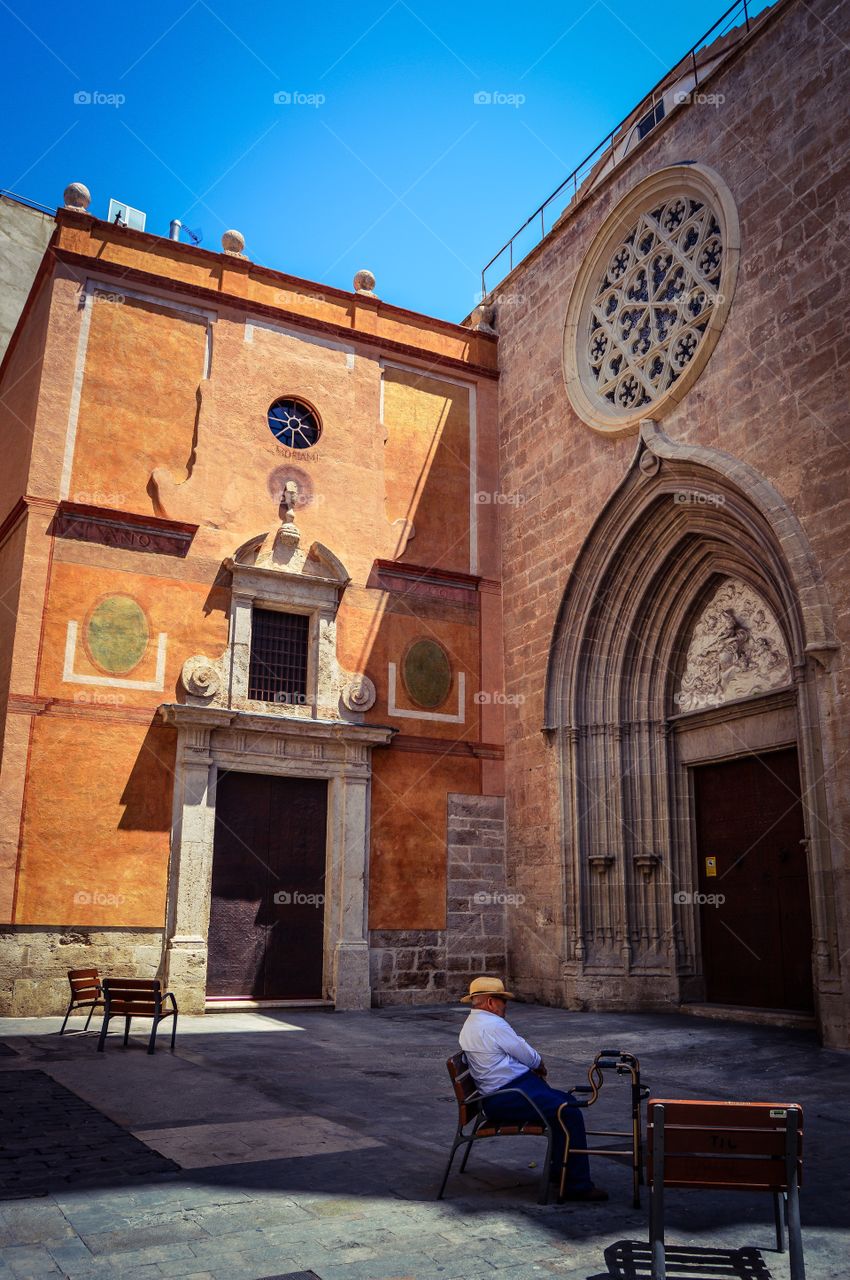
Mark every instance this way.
x=353 y=652
x=675 y=578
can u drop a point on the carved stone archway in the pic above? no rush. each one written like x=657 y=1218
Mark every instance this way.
x=684 y=522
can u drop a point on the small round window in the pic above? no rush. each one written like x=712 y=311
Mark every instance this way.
x=294 y=424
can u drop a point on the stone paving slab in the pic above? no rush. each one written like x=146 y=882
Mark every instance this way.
x=369 y=1213
x=242 y=1141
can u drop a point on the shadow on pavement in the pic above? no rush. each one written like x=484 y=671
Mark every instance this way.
x=630 y=1260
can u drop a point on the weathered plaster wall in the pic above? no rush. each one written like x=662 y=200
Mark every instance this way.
x=156 y=405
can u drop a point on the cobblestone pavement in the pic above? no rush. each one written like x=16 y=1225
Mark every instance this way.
x=52 y=1140
x=311 y=1141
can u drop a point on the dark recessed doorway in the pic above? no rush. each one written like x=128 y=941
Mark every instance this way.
x=757 y=942
x=266 y=934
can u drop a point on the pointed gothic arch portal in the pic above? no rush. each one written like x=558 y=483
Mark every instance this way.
x=694 y=631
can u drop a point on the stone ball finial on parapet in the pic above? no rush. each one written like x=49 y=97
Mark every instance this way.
x=233 y=243
x=364 y=284
x=483 y=318
x=77 y=196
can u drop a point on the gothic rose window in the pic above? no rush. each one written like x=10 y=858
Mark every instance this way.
x=650 y=298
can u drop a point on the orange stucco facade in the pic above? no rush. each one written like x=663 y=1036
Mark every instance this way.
x=139 y=458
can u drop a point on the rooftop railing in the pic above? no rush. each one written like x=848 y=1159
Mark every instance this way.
x=742 y=13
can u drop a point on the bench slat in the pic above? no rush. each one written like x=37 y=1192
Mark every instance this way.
x=693 y=1140
x=750 y=1171
x=726 y=1115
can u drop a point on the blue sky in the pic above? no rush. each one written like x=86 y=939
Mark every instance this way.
x=382 y=157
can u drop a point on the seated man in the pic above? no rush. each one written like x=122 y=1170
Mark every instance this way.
x=499 y=1059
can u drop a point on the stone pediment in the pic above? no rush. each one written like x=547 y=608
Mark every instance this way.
x=279 y=552
x=273 y=571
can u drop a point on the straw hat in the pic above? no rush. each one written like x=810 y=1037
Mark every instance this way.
x=487 y=987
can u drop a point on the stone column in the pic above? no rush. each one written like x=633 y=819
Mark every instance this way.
x=241 y=614
x=350 y=816
x=190 y=872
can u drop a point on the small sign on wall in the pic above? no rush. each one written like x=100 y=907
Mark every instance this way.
x=711 y=866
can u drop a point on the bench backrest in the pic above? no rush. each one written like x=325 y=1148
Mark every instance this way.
x=746 y=1146
x=84 y=983
x=464 y=1086
x=139 y=997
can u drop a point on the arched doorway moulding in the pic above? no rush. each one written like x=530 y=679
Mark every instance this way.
x=683 y=519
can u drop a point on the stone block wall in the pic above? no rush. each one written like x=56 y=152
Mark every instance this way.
x=770 y=395
x=422 y=966
x=34 y=963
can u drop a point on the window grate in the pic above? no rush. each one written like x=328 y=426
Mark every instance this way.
x=279 y=649
x=651 y=119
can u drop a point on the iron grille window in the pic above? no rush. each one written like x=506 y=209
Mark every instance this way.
x=279 y=648
x=651 y=119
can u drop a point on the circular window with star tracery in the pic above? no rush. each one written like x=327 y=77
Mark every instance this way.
x=651 y=298
x=294 y=424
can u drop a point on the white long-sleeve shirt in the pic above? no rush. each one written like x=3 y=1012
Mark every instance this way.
x=495 y=1053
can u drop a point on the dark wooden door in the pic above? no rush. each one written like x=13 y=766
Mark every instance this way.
x=266 y=934
x=757 y=942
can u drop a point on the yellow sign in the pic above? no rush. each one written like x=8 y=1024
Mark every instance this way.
x=711 y=866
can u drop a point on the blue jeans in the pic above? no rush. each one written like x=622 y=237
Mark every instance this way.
x=512 y=1109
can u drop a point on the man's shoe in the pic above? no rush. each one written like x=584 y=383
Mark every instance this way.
x=592 y=1193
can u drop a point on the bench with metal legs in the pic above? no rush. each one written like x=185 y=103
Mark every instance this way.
x=130 y=998
x=474 y=1126
x=727 y=1146
x=85 y=994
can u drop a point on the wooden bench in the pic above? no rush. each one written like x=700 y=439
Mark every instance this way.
x=130 y=998
x=85 y=994
x=726 y=1146
x=473 y=1125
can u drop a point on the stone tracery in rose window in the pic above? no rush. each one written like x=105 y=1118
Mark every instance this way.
x=653 y=305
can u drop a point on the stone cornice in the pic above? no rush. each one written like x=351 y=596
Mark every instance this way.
x=181 y=716
x=309 y=323
x=123 y=529
x=20 y=509
x=757 y=704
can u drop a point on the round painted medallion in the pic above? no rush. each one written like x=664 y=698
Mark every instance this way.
x=427 y=673
x=117 y=634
